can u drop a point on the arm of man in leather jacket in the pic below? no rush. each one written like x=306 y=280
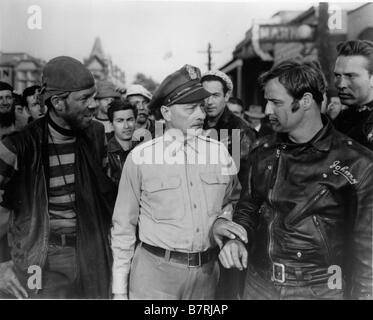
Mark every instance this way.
x=9 y=283
x=246 y=210
x=362 y=239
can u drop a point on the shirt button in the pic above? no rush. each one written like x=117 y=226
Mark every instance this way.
x=191 y=183
x=324 y=175
x=299 y=254
x=194 y=206
x=197 y=230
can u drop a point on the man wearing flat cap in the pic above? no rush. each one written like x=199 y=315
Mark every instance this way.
x=139 y=97
x=53 y=180
x=105 y=94
x=172 y=188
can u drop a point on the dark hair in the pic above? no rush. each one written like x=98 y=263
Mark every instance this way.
x=30 y=91
x=357 y=48
x=118 y=105
x=18 y=100
x=211 y=77
x=238 y=101
x=298 y=78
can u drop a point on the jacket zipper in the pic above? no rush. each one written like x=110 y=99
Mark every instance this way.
x=271 y=198
x=314 y=199
x=318 y=227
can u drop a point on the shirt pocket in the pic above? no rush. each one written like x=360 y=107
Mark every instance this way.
x=214 y=187
x=164 y=199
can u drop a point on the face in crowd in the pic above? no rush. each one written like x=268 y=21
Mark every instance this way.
x=6 y=101
x=33 y=105
x=236 y=109
x=141 y=103
x=185 y=116
x=103 y=104
x=285 y=114
x=353 y=80
x=215 y=104
x=77 y=109
x=124 y=124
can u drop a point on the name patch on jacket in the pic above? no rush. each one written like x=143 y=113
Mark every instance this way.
x=343 y=171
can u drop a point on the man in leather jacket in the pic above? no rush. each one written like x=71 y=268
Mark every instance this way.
x=52 y=178
x=122 y=116
x=353 y=74
x=306 y=210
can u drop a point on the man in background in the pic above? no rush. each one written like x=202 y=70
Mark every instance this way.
x=106 y=94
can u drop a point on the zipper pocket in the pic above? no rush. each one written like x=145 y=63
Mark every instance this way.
x=323 y=237
x=304 y=211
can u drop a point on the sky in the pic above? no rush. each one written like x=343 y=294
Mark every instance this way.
x=151 y=37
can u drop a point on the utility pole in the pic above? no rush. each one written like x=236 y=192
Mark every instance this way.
x=323 y=41
x=209 y=57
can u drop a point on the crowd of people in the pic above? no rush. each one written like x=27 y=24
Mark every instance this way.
x=183 y=193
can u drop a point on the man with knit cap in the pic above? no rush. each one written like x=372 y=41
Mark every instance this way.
x=105 y=94
x=172 y=189
x=8 y=121
x=53 y=180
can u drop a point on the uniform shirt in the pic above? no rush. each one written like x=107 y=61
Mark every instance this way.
x=173 y=191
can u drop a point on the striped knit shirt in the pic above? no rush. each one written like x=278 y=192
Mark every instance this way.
x=61 y=145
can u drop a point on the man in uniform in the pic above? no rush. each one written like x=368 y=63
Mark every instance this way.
x=172 y=188
x=307 y=208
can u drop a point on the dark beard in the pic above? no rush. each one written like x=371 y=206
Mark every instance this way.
x=7 y=119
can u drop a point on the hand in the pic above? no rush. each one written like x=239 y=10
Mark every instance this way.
x=9 y=282
x=233 y=254
x=120 y=296
x=228 y=229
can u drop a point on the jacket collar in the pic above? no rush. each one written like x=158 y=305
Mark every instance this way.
x=114 y=146
x=223 y=120
x=321 y=141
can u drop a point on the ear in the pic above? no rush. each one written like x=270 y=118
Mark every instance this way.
x=58 y=103
x=226 y=97
x=166 y=113
x=371 y=80
x=307 y=101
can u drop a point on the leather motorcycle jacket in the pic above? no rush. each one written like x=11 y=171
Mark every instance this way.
x=310 y=206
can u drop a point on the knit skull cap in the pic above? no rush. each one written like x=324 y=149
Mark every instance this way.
x=65 y=74
x=106 y=89
x=5 y=86
x=226 y=79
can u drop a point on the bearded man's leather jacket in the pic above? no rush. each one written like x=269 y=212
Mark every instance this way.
x=310 y=206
